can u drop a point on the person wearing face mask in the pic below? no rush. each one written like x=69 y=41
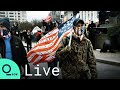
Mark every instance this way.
x=77 y=61
x=11 y=46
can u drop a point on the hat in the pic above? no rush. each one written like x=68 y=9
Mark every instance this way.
x=78 y=20
x=5 y=22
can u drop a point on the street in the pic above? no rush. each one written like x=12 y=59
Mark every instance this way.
x=106 y=71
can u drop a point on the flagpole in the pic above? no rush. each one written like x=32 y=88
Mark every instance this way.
x=77 y=16
x=70 y=39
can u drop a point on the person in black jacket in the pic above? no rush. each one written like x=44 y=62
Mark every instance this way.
x=92 y=35
x=11 y=47
x=29 y=40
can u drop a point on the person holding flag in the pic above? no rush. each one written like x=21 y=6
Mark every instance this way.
x=75 y=55
x=49 y=49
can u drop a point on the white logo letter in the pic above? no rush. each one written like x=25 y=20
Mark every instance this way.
x=26 y=71
x=55 y=69
x=38 y=74
x=46 y=73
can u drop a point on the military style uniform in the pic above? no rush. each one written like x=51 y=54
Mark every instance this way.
x=77 y=61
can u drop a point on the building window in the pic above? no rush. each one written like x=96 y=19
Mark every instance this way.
x=92 y=16
x=10 y=13
x=11 y=16
x=2 y=12
x=2 y=15
x=62 y=16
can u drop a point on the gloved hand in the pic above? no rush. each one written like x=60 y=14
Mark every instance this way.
x=67 y=48
x=65 y=51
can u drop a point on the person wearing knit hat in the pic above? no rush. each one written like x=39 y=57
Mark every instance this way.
x=5 y=22
x=5 y=27
x=77 y=59
x=81 y=30
x=11 y=46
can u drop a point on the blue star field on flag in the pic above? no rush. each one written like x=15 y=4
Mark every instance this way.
x=66 y=26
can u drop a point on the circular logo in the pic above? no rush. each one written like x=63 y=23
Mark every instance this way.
x=6 y=67
x=9 y=69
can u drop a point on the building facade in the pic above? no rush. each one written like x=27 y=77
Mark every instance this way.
x=88 y=16
x=68 y=14
x=14 y=16
x=56 y=15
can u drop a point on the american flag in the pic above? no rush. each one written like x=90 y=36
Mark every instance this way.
x=47 y=46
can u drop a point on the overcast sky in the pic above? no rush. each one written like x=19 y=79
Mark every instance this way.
x=31 y=15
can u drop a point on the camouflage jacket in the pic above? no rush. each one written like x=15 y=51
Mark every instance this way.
x=79 y=62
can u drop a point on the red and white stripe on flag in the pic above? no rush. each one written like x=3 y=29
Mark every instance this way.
x=46 y=48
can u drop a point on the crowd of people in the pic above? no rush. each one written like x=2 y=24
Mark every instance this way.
x=79 y=60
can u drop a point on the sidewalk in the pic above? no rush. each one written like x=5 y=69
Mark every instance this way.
x=107 y=58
